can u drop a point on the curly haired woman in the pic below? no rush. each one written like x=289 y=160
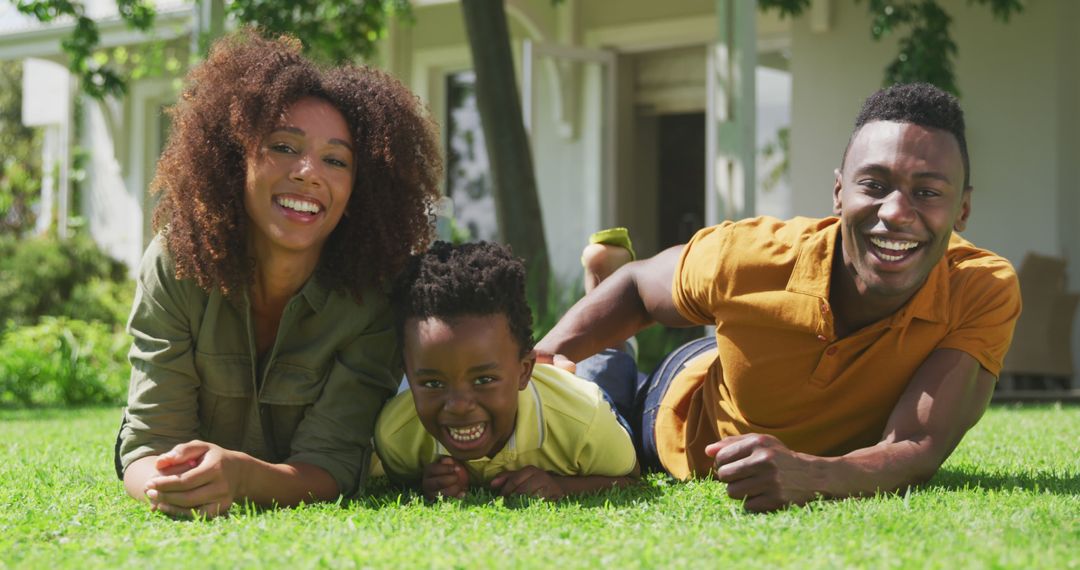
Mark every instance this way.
x=264 y=344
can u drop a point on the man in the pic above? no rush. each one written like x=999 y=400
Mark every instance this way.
x=851 y=355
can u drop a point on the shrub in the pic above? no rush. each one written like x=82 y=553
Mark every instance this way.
x=43 y=276
x=61 y=361
x=100 y=300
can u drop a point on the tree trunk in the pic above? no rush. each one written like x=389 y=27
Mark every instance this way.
x=517 y=201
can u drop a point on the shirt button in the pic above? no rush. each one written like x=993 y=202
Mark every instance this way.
x=822 y=338
x=831 y=351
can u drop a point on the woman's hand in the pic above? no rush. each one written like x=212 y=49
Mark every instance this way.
x=197 y=478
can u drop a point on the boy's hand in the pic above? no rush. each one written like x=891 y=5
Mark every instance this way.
x=530 y=480
x=446 y=477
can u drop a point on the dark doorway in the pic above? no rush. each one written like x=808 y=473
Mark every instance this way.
x=680 y=197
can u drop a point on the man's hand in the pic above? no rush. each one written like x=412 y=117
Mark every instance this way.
x=530 y=480
x=763 y=471
x=446 y=477
x=196 y=478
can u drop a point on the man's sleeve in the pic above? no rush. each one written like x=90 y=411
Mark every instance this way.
x=337 y=429
x=162 y=408
x=984 y=313
x=696 y=286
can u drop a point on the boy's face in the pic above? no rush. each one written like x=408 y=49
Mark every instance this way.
x=465 y=375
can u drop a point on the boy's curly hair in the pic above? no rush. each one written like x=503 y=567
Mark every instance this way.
x=473 y=279
x=231 y=102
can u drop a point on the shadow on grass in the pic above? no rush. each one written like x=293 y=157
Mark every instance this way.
x=51 y=413
x=383 y=494
x=957 y=480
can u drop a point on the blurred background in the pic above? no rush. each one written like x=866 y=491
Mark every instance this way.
x=659 y=116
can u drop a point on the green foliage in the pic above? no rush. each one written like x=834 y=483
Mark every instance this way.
x=19 y=192
x=657 y=341
x=1007 y=498
x=63 y=362
x=47 y=276
x=99 y=299
x=786 y=8
x=20 y=168
x=927 y=52
x=780 y=168
x=97 y=79
x=331 y=30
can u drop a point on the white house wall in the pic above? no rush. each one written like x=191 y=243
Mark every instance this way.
x=111 y=209
x=1020 y=89
x=1011 y=94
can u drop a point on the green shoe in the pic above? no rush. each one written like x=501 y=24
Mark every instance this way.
x=619 y=237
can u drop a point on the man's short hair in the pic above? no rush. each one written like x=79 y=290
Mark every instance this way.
x=920 y=104
x=472 y=279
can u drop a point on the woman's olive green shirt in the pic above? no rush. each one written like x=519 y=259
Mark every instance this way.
x=195 y=374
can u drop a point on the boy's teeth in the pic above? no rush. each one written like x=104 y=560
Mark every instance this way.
x=895 y=245
x=467 y=433
x=299 y=205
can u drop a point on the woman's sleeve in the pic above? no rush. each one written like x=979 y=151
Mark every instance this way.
x=337 y=430
x=162 y=409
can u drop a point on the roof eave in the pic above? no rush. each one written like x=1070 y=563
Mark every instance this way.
x=44 y=42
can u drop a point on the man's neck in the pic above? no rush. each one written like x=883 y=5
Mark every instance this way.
x=852 y=308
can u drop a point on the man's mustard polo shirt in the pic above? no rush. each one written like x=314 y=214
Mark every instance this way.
x=564 y=425
x=779 y=367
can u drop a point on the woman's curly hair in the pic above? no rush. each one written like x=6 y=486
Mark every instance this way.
x=231 y=102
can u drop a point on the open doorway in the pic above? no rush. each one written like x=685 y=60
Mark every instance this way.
x=680 y=203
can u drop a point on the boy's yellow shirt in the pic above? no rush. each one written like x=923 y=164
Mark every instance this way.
x=564 y=426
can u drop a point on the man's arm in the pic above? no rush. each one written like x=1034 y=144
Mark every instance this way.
x=945 y=398
x=635 y=296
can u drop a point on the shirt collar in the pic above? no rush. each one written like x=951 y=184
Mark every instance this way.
x=813 y=270
x=813 y=267
x=315 y=293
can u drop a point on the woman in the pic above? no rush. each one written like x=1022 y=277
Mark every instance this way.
x=263 y=341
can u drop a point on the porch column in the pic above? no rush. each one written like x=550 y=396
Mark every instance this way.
x=730 y=149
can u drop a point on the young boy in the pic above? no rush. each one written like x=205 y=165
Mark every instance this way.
x=479 y=410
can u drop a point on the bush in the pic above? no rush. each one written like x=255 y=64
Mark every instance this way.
x=100 y=300
x=72 y=278
x=62 y=361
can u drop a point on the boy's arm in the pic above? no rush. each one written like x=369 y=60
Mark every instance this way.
x=536 y=482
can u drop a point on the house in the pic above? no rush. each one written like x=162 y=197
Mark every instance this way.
x=643 y=113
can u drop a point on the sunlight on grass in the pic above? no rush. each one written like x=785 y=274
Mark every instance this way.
x=1007 y=498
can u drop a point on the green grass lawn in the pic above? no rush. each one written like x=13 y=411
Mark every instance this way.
x=1008 y=497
